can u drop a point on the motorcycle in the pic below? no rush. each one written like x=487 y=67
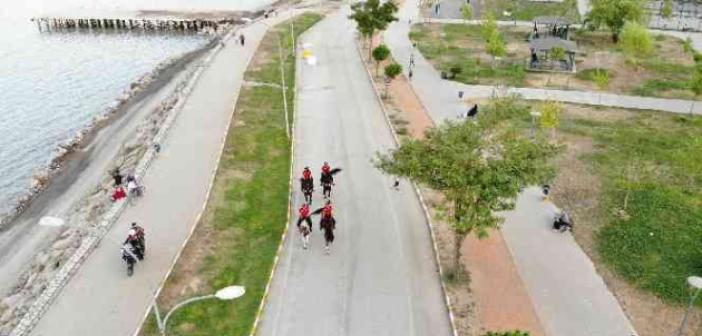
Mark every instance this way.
x=130 y=256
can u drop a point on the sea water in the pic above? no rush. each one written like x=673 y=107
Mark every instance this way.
x=53 y=84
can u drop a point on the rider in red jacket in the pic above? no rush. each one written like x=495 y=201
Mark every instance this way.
x=326 y=168
x=304 y=215
x=306 y=173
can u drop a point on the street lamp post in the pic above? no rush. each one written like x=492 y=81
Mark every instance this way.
x=695 y=283
x=227 y=293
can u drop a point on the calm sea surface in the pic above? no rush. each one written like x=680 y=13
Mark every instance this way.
x=53 y=84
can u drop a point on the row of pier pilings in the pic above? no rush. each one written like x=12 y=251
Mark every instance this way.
x=49 y=24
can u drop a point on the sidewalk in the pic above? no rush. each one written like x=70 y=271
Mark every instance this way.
x=569 y=297
x=100 y=299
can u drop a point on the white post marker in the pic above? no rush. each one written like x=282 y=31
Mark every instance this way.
x=225 y=294
x=695 y=283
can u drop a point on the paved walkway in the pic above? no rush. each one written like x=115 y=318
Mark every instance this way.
x=381 y=277
x=100 y=299
x=569 y=296
x=450 y=106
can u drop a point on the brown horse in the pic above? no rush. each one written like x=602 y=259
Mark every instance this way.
x=327 y=225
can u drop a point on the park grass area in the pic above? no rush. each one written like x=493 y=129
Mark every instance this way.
x=632 y=181
x=527 y=10
x=237 y=239
x=666 y=73
x=651 y=204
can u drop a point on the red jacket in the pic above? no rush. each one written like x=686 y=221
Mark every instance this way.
x=326 y=169
x=304 y=211
x=327 y=211
x=306 y=174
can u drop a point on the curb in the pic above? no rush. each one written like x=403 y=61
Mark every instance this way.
x=264 y=298
x=53 y=289
x=418 y=193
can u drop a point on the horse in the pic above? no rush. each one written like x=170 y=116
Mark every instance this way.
x=327 y=180
x=304 y=229
x=307 y=187
x=327 y=225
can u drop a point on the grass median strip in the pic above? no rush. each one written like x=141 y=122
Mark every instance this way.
x=238 y=236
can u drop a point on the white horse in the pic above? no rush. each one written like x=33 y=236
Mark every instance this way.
x=304 y=229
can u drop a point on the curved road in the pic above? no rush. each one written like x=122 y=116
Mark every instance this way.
x=380 y=278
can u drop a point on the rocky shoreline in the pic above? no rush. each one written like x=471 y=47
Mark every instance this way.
x=46 y=264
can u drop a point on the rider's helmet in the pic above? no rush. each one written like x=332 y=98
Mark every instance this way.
x=134 y=224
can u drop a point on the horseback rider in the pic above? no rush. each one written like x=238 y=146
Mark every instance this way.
x=327 y=214
x=327 y=179
x=307 y=184
x=327 y=224
x=304 y=215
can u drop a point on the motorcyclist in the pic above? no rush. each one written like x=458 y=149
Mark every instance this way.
x=136 y=237
x=129 y=255
x=304 y=215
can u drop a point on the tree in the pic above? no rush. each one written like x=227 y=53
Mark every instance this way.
x=467 y=12
x=550 y=116
x=667 y=9
x=380 y=53
x=371 y=16
x=507 y=333
x=614 y=13
x=478 y=165
x=391 y=71
x=636 y=40
x=488 y=27
x=495 y=45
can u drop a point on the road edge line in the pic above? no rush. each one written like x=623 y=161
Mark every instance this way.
x=417 y=192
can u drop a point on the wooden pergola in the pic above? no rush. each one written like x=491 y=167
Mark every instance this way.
x=541 y=50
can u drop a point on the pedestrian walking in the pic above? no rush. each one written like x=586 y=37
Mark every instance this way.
x=396 y=185
x=412 y=60
x=460 y=94
x=242 y=39
x=409 y=74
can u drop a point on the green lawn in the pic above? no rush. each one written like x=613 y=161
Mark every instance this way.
x=254 y=171
x=656 y=158
x=461 y=45
x=526 y=10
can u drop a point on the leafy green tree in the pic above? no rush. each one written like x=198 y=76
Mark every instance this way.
x=488 y=27
x=636 y=41
x=614 y=13
x=507 y=333
x=380 y=53
x=496 y=45
x=371 y=16
x=551 y=116
x=391 y=71
x=667 y=9
x=478 y=165
x=467 y=12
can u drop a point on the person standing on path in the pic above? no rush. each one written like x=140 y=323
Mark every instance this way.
x=242 y=39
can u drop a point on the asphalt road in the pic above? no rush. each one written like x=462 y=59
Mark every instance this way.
x=380 y=277
x=100 y=299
